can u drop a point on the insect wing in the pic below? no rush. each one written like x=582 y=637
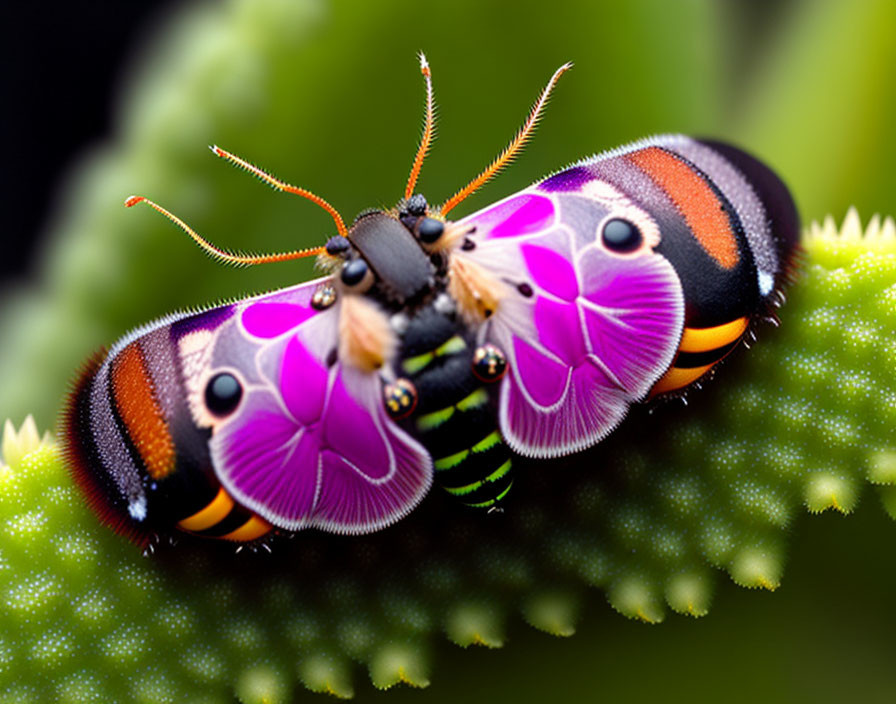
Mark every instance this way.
x=586 y=331
x=310 y=444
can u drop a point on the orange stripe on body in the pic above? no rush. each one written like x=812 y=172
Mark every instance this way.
x=142 y=416
x=678 y=378
x=695 y=200
x=254 y=528
x=705 y=339
x=209 y=516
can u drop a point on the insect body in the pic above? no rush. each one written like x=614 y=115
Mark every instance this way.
x=434 y=348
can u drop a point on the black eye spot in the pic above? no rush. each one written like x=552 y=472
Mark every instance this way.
x=223 y=394
x=621 y=236
x=337 y=245
x=354 y=272
x=416 y=205
x=430 y=229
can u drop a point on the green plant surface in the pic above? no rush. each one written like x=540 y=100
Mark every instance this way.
x=802 y=423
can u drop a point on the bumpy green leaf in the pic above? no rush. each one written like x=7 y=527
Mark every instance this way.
x=804 y=421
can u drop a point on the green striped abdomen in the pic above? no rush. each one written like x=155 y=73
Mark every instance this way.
x=455 y=418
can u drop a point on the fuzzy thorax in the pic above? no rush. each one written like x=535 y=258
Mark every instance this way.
x=366 y=340
x=477 y=292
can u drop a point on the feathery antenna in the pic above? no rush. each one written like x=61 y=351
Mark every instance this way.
x=222 y=255
x=428 y=129
x=282 y=186
x=512 y=149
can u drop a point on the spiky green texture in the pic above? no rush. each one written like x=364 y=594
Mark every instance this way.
x=803 y=420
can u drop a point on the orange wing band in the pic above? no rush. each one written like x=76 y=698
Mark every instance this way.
x=696 y=201
x=140 y=411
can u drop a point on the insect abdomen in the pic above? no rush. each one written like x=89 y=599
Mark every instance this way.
x=470 y=458
x=455 y=420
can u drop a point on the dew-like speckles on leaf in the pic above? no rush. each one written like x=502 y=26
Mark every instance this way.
x=655 y=519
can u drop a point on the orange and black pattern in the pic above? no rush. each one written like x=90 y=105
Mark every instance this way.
x=135 y=449
x=729 y=227
x=700 y=349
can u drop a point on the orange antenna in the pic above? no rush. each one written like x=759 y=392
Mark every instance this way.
x=511 y=150
x=282 y=186
x=428 y=129
x=223 y=255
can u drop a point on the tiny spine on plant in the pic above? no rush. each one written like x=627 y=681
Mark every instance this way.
x=804 y=421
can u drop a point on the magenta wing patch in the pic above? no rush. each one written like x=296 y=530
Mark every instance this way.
x=518 y=215
x=311 y=445
x=589 y=333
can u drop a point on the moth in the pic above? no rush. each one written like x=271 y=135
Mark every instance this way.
x=433 y=349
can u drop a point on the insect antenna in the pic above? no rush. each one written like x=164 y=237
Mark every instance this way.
x=279 y=185
x=223 y=255
x=512 y=149
x=429 y=129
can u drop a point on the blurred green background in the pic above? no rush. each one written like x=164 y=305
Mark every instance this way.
x=327 y=95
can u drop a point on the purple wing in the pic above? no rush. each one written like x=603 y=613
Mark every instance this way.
x=586 y=331
x=310 y=444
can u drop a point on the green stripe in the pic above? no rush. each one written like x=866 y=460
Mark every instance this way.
x=433 y=420
x=452 y=346
x=491 y=478
x=492 y=502
x=476 y=399
x=499 y=472
x=488 y=442
x=412 y=365
x=451 y=460
x=461 y=490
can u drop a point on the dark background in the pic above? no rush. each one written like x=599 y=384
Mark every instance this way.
x=60 y=64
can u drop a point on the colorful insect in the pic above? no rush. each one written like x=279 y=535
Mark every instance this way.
x=433 y=348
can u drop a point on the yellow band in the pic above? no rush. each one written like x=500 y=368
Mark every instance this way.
x=254 y=528
x=705 y=339
x=211 y=515
x=677 y=378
